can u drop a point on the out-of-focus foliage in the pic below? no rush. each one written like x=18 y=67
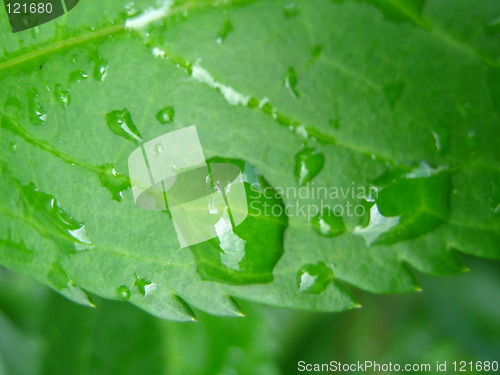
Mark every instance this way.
x=44 y=334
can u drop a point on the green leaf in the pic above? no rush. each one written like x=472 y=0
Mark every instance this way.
x=371 y=126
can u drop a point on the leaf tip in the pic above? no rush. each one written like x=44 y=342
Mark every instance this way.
x=184 y=308
x=235 y=307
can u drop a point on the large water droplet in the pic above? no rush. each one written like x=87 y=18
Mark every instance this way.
x=37 y=113
x=233 y=247
x=314 y=278
x=68 y=232
x=291 y=82
x=308 y=163
x=144 y=286
x=328 y=224
x=166 y=115
x=411 y=201
x=62 y=96
x=115 y=182
x=123 y=293
x=377 y=226
x=226 y=29
x=120 y=123
x=246 y=253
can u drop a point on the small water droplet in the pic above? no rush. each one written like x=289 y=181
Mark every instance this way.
x=328 y=224
x=291 y=82
x=62 y=96
x=120 y=123
x=166 y=115
x=35 y=32
x=37 y=113
x=226 y=29
x=13 y=147
x=308 y=163
x=115 y=182
x=130 y=9
x=123 y=293
x=100 y=71
x=144 y=286
x=303 y=132
x=441 y=137
x=101 y=67
x=291 y=10
x=314 y=278
x=393 y=92
x=158 y=149
x=77 y=76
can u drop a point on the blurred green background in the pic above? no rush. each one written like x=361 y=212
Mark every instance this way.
x=453 y=318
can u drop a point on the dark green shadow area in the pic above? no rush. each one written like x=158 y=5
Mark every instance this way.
x=26 y=14
x=70 y=4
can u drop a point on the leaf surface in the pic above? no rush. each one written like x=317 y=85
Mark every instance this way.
x=401 y=96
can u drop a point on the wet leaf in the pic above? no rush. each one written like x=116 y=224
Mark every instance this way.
x=389 y=128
